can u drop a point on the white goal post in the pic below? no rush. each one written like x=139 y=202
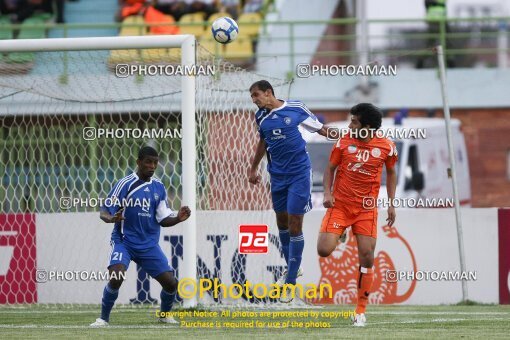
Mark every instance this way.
x=187 y=43
x=54 y=92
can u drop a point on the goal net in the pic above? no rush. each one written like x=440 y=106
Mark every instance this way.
x=73 y=116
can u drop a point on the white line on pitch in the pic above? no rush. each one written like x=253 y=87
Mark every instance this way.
x=437 y=313
x=432 y=321
x=79 y=327
x=27 y=310
x=32 y=326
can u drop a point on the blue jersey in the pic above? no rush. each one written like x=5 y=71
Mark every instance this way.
x=285 y=146
x=145 y=206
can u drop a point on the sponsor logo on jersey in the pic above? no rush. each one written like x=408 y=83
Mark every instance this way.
x=146 y=208
x=277 y=134
x=357 y=167
x=354 y=166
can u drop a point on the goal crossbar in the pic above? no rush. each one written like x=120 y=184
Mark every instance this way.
x=95 y=43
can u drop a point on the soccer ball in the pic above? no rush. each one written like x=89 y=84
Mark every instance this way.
x=224 y=30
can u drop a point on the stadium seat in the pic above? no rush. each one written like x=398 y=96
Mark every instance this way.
x=174 y=55
x=160 y=54
x=240 y=49
x=123 y=56
x=154 y=55
x=153 y=16
x=126 y=30
x=212 y=46
x=249 y=23
x=192 y=24
x=31 y=32
x=6 y=31
x=27 y=32
x=216 y=16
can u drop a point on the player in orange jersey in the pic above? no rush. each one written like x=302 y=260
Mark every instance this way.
x=356 y=163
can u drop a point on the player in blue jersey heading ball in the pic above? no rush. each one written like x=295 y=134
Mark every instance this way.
x=289 y=166
x=135 y=237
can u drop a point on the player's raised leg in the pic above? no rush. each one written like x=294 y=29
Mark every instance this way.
x=279 y=195
x=366 y=248
x=298 y=203
x=285 y=237
x=326 y=243
x=110 y=293
x=282 y=221
x=296 y=246
x=332 y=231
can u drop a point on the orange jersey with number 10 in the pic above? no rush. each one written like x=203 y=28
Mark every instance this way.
x=359 y=169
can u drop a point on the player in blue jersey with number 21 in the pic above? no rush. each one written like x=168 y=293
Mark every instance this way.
x=289 y=166
x=136 y=232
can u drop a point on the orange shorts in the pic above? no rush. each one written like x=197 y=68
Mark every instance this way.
x=337 y=220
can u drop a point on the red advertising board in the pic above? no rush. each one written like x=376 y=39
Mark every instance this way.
x=17 y=259
x=504 y=255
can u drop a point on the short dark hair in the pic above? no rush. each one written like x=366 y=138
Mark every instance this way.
x=262 y=85
x=147 y=151
x=368 y=114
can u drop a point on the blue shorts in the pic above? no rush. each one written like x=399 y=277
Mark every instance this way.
x=292 y=193
x=152 y=260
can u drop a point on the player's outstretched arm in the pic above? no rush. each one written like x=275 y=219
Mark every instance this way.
x=327 y=132
x=183 y=214
x=327 y=182
x=105 y=216
x=253 y=178
x=391 y=186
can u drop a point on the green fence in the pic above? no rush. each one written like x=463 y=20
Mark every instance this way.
x=471 y=41
x=41 y=162
x=44 y=161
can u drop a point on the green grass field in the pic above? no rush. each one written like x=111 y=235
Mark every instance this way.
x=475 y=321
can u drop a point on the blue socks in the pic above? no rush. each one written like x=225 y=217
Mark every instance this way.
x=285 y=240
x=297 y=243
x=109 y=297
x=167 y=300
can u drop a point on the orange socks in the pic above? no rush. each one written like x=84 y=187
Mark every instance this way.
x=365 y=280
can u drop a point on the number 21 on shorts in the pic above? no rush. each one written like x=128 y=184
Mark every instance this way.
x=116 y=256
